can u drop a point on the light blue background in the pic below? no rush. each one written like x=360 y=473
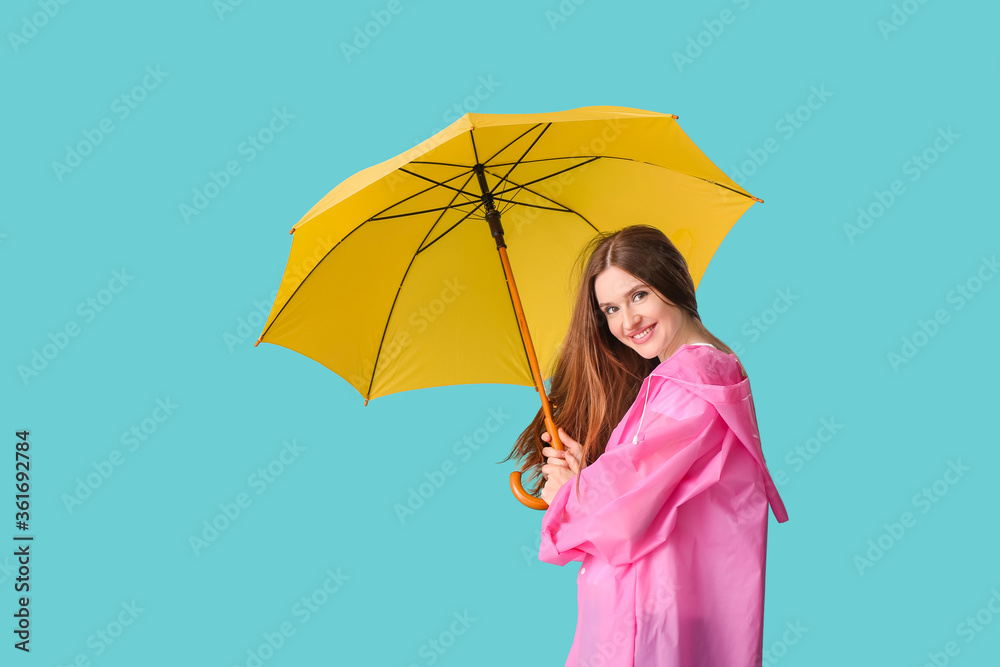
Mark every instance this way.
x=472 y=548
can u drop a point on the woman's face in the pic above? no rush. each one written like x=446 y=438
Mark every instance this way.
x=632 y=307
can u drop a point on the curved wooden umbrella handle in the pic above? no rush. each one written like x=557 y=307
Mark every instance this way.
x=522 y=495
x=515 y=477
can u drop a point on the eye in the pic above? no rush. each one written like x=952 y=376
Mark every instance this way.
x=637 y=296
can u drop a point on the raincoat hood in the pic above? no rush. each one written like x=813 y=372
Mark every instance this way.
x=713 y=381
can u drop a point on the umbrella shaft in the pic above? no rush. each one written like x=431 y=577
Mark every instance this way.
x=493 y=218
x=522 y=323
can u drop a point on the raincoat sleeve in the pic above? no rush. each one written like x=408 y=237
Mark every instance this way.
x=622 y=511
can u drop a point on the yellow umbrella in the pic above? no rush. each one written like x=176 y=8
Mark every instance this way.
x=412 y=237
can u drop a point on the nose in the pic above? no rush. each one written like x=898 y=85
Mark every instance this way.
x=632 y=318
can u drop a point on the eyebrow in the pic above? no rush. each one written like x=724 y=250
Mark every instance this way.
x=635 y=288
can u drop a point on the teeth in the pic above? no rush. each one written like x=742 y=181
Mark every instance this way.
x=642 y=334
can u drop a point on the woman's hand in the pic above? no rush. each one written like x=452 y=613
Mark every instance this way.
x=555 y=477
x=561 y=466
x=569 y=457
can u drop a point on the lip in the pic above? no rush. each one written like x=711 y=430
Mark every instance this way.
x=645 y=338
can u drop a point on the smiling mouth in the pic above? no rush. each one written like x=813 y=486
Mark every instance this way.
x=643 y=335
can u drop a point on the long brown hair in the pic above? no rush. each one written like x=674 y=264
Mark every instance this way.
x=597 y=377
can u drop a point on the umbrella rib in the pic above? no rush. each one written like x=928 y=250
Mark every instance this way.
x=443 y=164
x=438 y=238
x=547 y=208
x=513 y=141
x=426 y=210
x=617 y=157
x=299 y=286
x=505 y=178
x=385 y=329
x=360 y=225
x=415 y=194
x=442 y=184
x=565 y=209
x=513 y=166
x=475 y=153
x=707 y=180
x=555 y=173
x=548 y=159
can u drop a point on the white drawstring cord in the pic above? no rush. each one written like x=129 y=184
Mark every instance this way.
x=635 y=438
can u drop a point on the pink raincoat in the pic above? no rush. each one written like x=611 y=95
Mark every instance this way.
x=671 y=525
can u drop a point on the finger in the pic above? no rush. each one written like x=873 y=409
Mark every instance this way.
x=558 y=463
x=553 y=452
x=573 y=461
x=563 y=435
x=575 y=449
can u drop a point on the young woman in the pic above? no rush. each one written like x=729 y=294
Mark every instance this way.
x=663 y=496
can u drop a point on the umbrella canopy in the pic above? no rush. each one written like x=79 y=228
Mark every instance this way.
x=393 y=279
